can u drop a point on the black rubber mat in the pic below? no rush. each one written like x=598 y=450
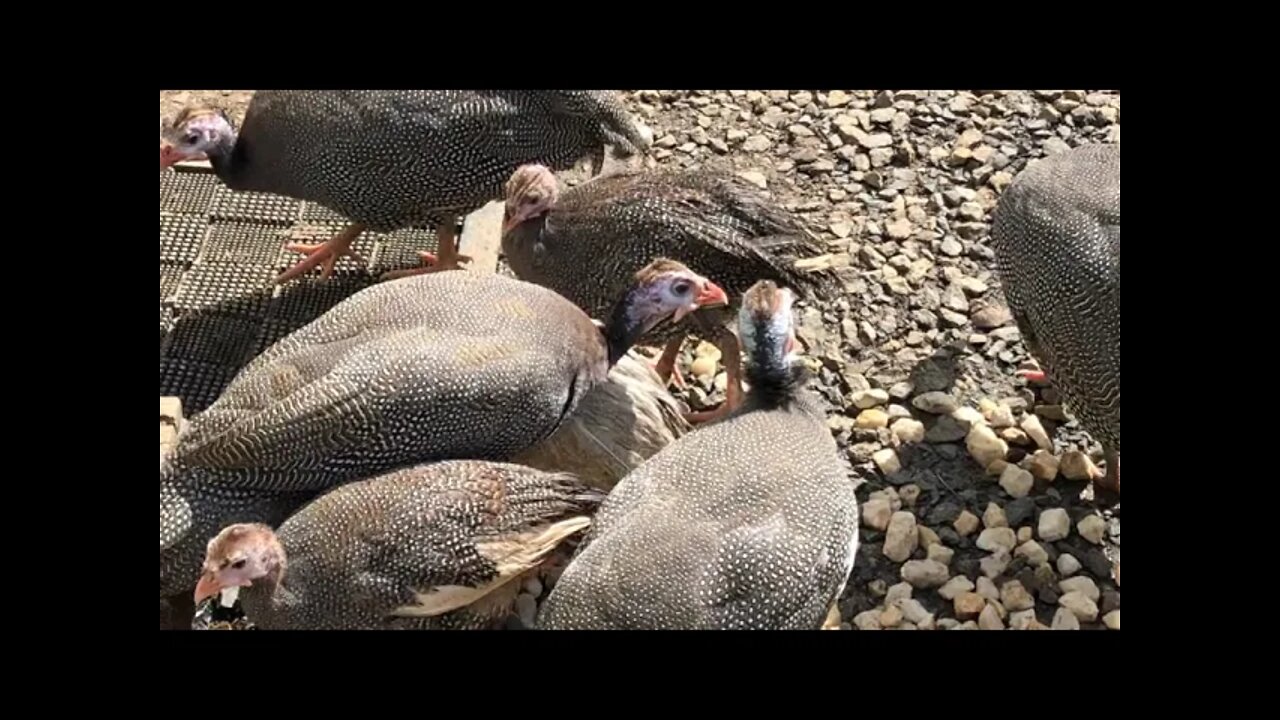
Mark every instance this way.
x=220 y=252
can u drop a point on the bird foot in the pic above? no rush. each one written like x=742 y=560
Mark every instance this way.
x=431 y=264
x=324 y=254
x=1031 y=372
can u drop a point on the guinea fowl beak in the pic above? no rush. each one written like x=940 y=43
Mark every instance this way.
x=207 y=587
x=711 y=295
x=168 y=155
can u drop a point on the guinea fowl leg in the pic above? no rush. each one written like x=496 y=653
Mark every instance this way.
x=1032 y=373
x=732 y=359
x=325 y=253
x=448 y=258
x=666 y=366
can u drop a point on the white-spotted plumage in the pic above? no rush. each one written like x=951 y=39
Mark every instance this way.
x=375 y=554
x=748 y=523
x=388 y=159
x=1056 y=233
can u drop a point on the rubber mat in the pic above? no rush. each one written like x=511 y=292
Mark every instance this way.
x=220 y=252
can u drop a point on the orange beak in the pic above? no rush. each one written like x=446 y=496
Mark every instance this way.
x=207 y=587
x=170 y=155
x=712 y=295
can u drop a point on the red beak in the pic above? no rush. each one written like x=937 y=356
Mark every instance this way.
x=207 y=587
x=712 y=295
x=168 y=155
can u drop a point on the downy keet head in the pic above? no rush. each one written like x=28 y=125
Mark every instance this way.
x=240 y=556
x=531 y=192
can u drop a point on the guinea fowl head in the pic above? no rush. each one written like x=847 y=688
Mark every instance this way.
x=239 y=556
x=766 y=329
x=195 y=134
x=530 y=193
x=662 y=289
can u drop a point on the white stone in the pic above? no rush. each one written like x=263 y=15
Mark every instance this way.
x=1054 y=525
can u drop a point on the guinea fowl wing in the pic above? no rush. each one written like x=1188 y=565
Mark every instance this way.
x=461 y=539
x=688 y=543
x=353 y=390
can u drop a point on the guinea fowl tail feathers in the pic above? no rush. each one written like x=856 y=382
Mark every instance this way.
x=786 y=254
x=620 y=128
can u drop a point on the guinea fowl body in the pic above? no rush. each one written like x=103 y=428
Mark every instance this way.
x=1056 y=233
x=439 y=546
x=715 y=222
x=388 y=159
x=444 y=366
x=748 y=523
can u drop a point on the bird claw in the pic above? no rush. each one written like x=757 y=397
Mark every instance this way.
x=321 y=254
x=432 y=264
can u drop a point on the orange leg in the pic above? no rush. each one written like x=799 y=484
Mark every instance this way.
x=732 y=360
x=448 y=259
x=324 y=254
x=1032 y=373
x=665 y=365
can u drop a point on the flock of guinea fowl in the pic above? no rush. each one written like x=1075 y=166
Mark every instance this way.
x=359 y=473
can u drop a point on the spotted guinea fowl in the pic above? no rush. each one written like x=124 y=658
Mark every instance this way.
x=617 y=425
x=387 y=379
x=439 y=546
x=1056 y=233
x=715 y=222
x=388 y=159
x=749 y=523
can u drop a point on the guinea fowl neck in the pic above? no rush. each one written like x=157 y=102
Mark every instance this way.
x=773 y=376
x=227 y=158
x=624 y=327
x=262 y=600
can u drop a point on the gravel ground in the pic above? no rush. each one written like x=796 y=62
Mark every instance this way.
x=975 y=511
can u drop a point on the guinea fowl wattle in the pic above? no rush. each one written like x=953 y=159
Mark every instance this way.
x=434 y=367
x=715 y=222
x=388 y=159
x=748 y=523
x=1056 y=233
x=440 y=546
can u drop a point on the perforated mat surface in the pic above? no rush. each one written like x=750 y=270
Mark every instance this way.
x=220 y=252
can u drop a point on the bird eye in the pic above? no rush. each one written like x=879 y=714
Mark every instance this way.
x=238 y=564
x=681 y=288
x=191 y=138
x=531 y=199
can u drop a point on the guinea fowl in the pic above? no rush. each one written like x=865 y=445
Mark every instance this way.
x=715 y=222
x=1056 y=233
x=439 y=546
x=388 y=378
x=750 y=523
x=617 y=425
x=388 y=159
